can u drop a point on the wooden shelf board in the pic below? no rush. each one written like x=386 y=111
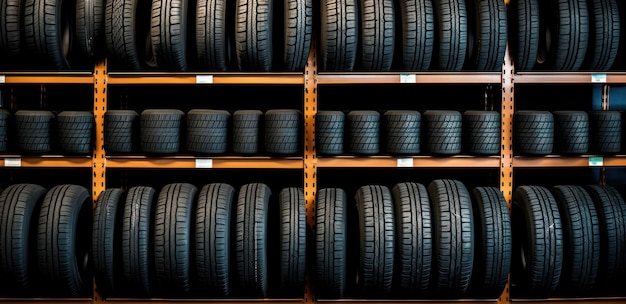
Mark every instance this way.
x=46 y=161
x=420 y=78
x=132 y=78
x=417 y=162
x=46 y=78
x=222 y=162
x=568 y=77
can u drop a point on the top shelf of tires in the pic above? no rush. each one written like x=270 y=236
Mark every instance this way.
x=349 y=41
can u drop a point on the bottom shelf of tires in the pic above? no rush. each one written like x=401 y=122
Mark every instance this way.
x=421 y=237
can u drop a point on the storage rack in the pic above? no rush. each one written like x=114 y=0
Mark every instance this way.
x=309 y=163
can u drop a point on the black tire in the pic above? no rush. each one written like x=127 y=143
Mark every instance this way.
x=120 y=131
x=11 y=29
x=213 y=242
x=75 y=131
x=5 y=121
x=160 y=130
x=581 y=238
x=339 y=21
x=34 y=130
x=443 y=131
x=451 y=36
x=214 y=34
x=453 y=231
x=564 y=34
x=487 y=27
x=604 y=35
x=64 y=239
x=19 y=210
x=402 y=130
x=331 y=243
x=282 y=131
x=247 y=126
x=90 y=28
x=377 y=239
x=207 y=131
x=127 y=34
x=493 y=238
x=524 y=33
x=298 y=32
x=481 y=132
x=414 y=237
x=363 y=132
x=292 y=241
x=251 y=239
x=571 y=132
x=611 y=210
x=537 y=241
x=377 y=34
x=253 y=35
x=329 y=132
x=105 y=246
x=418 y=34
x=173 y=226
x=605 y=128
x=168 y=33
x=137 y=241
x=534 y=132
x=48 y=31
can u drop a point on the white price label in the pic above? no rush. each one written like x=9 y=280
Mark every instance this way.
x=3 y=79
x=408 y=78
x=598 y=78
x=203 y=163
x=596 y=161
x=405 y=163
x=12 y=162
x=204 y=79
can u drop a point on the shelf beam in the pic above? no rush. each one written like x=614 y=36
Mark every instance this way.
x=569 y=78
x=56 y=161
x=205 y=79
x=412 y=162
x=416 y=78
x=46 y=78
x=181 y=162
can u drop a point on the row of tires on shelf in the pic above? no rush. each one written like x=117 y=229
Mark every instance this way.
x=413 y=240
x=260 y=35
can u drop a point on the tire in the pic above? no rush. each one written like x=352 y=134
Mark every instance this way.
x=481 y=132
x=48 y=31
x=571 y=132
x=214 y=34
x=564 y=34
x=377 y=34
x=172 y=238
x=604 y=35
x=339 y=32
x=329 y=132
x=127 y=34
x=105 y=246
x=64 y=238
x=75 y=131
x=534 y=132
x=11 y=28
x=418 y=34
x=292 y=241
x=298 y=21
x=364 y=132
x=169 y=34
x=414 y=237
x=377 y=239
x=120 y=131
x=19 y=210
x=137 y=240
x=454 y=236
x=402 y=130
x=493 y=238
x=537 y=251
x=34 y=131
x=443 y=131
x=331 y=243
x=451 y=27
x=213 y=243
x=487 y=25
x=253 y=35
x=90 y=28
x=282 y=131
x=581 y=238
x=5 y=121
x=246 y=129
x=251 y=239
x=207 y=131
x=524 y=20
x=605 y=128
x=160 y=130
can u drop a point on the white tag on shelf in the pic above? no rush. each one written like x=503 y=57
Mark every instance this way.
x=203 y=163
x=408 y=78
x=598 y=78
x=3 y=79
x=404 y=163
x=13 y=162
x=596 y=161
x=204 y=79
